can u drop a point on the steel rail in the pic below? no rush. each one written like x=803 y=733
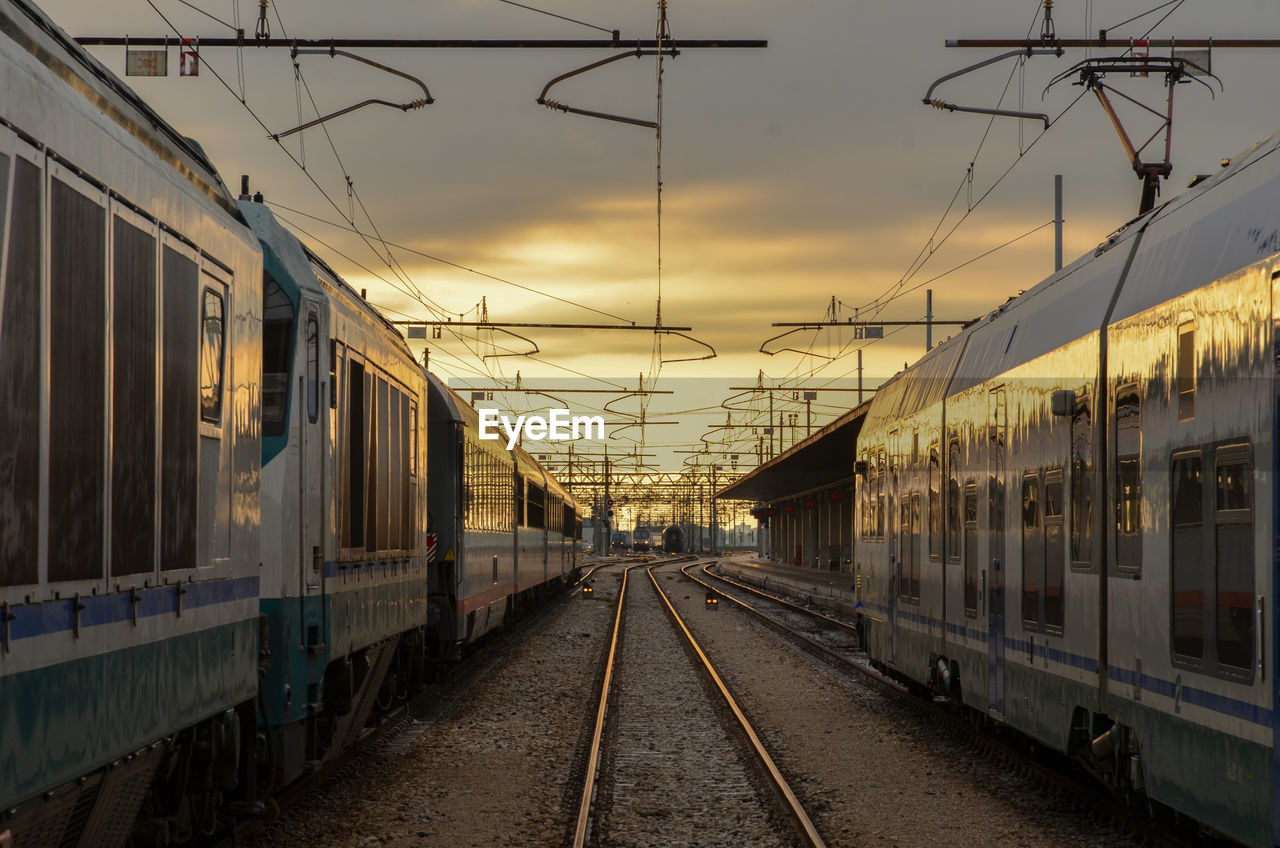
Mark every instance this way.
x=796 y=810
x=583 y=825
x=808 y=644
x=797 y=607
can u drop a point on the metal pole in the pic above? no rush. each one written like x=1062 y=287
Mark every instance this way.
x=859 y=376
x=712 y=498
x=1057 y=222
x=928 y=320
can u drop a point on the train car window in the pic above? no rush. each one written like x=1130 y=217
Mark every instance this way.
x=935 y=503
x=953 y=500
x=395 y=484
x=411 y=528
x=1188 y=573
x=413 y=439
x=354 y=478
x=133 y=385
x=313 y=367
x=20 y=379
x=1128 y=479
x=1081 y=486
x=1032 y=551
x=971 y=548
x=277 y=354
x=382 y=482
x=1234 y=557
x=406 y=497
x=864 y=500
x=469 y=483
x=77 y=402
x=521 y=519
x=212 y=356
x=537 y=507
x=1055 y=551
x=914 y=546
x=180 y=386
x=880 y=505
x=334 y=371
x=1186 y=371
x=904 y=549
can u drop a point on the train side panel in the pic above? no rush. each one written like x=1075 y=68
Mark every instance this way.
x=129 y=312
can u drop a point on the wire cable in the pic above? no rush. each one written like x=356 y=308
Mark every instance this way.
x=554 y=15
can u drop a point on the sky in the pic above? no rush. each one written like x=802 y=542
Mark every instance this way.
x=795 y=174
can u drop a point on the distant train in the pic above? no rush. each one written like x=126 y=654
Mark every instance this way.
x=673 y=540
x=640 y=540
x=222 y=478
x=1067 y=514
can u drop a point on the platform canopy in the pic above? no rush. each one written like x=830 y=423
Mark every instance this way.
x=822 y=459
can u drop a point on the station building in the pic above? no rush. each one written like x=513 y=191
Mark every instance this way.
x=804 y=498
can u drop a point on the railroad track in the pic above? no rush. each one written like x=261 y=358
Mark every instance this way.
x=667 y=747
x=838 y=643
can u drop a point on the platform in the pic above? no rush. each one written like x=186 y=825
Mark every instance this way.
x=832 y=590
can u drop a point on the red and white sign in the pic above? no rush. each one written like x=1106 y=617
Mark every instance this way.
x=1141 y=48
x=189 y=62
x=432 y=539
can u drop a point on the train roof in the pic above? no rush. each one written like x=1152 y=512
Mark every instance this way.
x=32 y=30
x=1218 y=225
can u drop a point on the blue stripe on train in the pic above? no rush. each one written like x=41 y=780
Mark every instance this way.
x=1212 y=701
x=39 y=619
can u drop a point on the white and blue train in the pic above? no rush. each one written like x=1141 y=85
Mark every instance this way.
x=1067 y=514
x=215 y=482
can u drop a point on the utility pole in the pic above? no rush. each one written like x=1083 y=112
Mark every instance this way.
x=928 y=320
x=1057 y=222
x=859 y=376
x=809 y=398
x=712 y=498
x=608 y=519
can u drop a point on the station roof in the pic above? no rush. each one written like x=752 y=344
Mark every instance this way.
x=821 y=459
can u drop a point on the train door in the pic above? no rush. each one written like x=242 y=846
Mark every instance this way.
x=893 y=544
x=312 y=414
x=997 y=424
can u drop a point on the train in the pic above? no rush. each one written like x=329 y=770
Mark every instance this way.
x=673 y=539
x=1066 y=515
x=236 y=526
x=640 y=540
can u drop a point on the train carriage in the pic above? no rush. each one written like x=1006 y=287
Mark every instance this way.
x=344 y=566
x=1066 y=514
x=506 y=529
x=130 y=312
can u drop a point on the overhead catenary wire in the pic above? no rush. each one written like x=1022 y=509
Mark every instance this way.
x=406 y=283
x=612 y=32
x=459 y=266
